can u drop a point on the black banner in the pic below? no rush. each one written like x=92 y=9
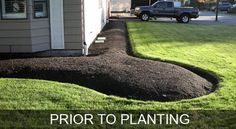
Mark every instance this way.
x=119 y=119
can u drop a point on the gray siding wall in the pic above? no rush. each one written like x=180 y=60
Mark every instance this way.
x=24 y=36
x=15 y=36
x=33 y=35
x=72 y=23
x=40 y=32
x=40 y=35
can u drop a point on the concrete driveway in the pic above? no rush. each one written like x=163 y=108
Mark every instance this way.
x=207 y=17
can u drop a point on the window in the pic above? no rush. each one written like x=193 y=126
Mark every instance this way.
x=161 y=5
x=40 y=9
x=169 y=4
x=13 y=9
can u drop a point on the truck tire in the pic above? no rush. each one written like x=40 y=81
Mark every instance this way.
x=184 y=18
x=145 y=16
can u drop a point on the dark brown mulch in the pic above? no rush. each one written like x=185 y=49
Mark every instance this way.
x=113 y=72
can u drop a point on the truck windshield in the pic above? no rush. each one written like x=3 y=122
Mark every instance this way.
x=160 y=5
x=155 y=3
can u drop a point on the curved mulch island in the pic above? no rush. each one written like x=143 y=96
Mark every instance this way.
x=113 y=72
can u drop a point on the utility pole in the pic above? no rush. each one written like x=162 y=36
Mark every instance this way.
x=217 y=9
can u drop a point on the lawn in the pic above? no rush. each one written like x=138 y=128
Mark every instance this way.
x=209 y=47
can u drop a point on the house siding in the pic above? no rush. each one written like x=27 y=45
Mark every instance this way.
x=40 y=35
x=33 y=35
x=15 y=35
x=24 y=36
x=95 y=18
x=72 y=24
x=40 y=32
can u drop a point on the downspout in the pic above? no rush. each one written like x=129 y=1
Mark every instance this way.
x=84 y=44
x=50 y=29
x=108 y=10
x=85 y=49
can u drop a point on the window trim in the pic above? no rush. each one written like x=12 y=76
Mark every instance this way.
x=26 y=11
x=47 y=6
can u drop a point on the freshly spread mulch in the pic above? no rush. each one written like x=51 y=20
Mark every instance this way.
x=112 y=71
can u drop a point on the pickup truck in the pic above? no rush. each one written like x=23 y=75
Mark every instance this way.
x=166 y=9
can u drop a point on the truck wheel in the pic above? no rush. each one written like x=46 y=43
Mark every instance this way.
x=145 y=17
x=184 y=18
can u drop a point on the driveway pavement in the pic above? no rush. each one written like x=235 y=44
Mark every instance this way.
x=206 y=17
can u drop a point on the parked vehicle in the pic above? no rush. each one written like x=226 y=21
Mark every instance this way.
x=232 y=9
x=167 y=9
x=223 y=6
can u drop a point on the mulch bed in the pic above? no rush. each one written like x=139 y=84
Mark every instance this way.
x=112 y=71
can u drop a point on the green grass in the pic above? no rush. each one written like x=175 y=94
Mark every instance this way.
x=212 y=48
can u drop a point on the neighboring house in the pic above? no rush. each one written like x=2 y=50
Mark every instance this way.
x=120 y=5
x=28 y=26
